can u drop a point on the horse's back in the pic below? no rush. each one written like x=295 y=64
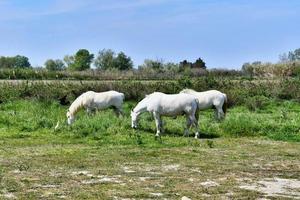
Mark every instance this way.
x=116 y=95
x=109 y=98
x=86 y=97
x=171 y=99
x=208 y=98
x=171 y=103
x=208 y=93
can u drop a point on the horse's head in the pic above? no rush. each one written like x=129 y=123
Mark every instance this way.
x=134 y=119
x=70 y=117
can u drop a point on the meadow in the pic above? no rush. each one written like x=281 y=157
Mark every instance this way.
x=102 y=157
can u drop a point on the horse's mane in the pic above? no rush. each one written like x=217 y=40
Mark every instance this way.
x=186 y=90
x=147 y=96
x=76 y=105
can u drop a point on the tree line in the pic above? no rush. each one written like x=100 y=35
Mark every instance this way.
x=14 y=62
x=106 y=59
x=288 y=65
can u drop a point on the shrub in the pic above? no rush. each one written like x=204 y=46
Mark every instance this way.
x=254 y=94
x=256 y=102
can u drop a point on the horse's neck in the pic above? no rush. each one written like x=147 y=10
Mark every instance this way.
x=75 y=106
x=141 y=107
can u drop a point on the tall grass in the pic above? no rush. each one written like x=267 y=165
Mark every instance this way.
x=29 y=118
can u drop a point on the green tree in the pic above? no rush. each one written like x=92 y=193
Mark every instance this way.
x=105 y=59
x=184 y=65
x=248 y=69
x=7 y=62
x=152 y=64
x=21 y=62
x=69 y=60
x=54 y=65
x=123 y=62
x=82 y=60
x=171 y=67
x=283 y=58
x=199 y=63
x=294 y=55
x=14 y=62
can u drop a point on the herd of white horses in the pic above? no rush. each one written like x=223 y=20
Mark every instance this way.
x=188 y=102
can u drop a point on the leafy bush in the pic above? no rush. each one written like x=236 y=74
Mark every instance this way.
x=169 y=72
x=256 y=102
x=282 y=69
x=253 y=94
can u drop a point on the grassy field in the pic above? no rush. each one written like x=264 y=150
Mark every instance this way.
x=101 y=157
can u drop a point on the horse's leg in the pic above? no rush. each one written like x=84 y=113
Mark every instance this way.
x=220 y=112
x=193 y=117
x=162 y=124
x=88 y=110
x=188 y=125
x=197 y=114
x=118 y=110
x=121 y=112
x=216 y=114
x=158 y=123
x=195 y=123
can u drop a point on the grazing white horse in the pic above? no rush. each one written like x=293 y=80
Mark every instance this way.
x=160 y=104
x=93 y=100
x=209 y=99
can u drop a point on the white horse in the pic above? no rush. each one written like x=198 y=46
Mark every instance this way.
x=160 y=104
x=93 y=100
x=209 y=99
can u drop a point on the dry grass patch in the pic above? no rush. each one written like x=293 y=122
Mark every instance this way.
x=233 y=168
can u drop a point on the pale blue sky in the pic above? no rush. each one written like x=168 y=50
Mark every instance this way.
x=225 y=33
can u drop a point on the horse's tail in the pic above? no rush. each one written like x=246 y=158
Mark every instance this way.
x=224 y=107
x=123 y=96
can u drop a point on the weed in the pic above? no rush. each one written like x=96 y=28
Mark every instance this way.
x=21 y=166
x=210 y=143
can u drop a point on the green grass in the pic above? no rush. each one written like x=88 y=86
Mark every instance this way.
x=276 y=120
x=101 y=157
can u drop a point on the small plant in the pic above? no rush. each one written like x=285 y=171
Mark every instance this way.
x=22 y=166
x=139 y=140
x=210 y=143
x=1 y=174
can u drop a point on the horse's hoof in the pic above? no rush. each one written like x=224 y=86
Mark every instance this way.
x=157 y=137
x=197 y=135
